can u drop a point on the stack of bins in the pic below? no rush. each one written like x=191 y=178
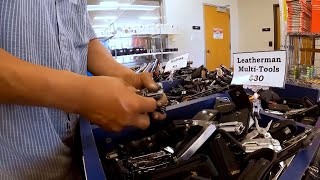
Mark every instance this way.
x=315 y=27
x=299 y=16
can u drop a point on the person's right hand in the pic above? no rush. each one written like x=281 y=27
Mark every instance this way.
x=113 y=104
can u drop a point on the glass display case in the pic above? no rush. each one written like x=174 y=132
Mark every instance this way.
x=132 y=30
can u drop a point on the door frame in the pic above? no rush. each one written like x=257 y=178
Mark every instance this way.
x=204 y=30
x=275 y=27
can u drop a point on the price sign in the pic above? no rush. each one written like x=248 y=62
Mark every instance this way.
x=260 y=68
x=177 y=63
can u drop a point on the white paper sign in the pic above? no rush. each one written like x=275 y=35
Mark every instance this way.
x=217 y=33
x=260 y=68
x=177 y=63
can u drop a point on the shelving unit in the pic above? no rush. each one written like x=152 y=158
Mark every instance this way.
x=301 y=47
x=147 y=54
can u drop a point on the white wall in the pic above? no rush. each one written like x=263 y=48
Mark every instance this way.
x=188 y=13
x=253 y=16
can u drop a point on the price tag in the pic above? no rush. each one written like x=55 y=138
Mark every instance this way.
x=177 y=63
x=260 y=68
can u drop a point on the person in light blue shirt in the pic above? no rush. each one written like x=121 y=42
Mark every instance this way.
x=46 y=49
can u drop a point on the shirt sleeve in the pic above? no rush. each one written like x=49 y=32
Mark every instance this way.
x=89 y=31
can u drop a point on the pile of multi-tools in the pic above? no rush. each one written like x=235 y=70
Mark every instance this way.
x=199 y=82
x=151 y=67
x=196 y=82
x=225 y=142
x=302 y=110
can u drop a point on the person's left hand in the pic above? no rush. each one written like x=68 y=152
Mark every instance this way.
x=145 y=80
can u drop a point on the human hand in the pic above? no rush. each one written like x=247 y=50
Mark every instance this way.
x=144 y=80
x=113 y=104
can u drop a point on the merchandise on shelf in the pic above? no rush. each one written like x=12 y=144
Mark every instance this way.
x=315 y=26
x=299 y=16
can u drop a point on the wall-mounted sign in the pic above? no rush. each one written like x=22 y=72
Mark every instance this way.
x=266 y=29
x=260 y=68
x=217 y=33
x=177 y=63
x=196 y=27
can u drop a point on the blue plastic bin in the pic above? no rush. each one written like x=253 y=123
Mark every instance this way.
x=92 y=135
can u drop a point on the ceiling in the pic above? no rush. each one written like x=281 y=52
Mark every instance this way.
x=121 y=17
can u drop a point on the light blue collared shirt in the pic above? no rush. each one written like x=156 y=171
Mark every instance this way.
x=55 y=34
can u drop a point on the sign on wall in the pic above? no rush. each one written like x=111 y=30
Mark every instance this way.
x=217 y=33
x=260 y=68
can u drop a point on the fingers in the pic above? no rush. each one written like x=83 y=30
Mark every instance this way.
x=159 y=116
x=132 y=89
x=142 y=121
x=143 y=104
x=163 y=101
x=148 y=82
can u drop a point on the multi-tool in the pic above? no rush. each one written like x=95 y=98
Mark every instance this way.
x=256 y=105
x=258 y=164
x=235 y=127
x=297 y=143
x=207 y=115
x=197 y=167
x=313 y=171
x=156 y=95
x=226 y=154
x=130 y=156
x=274 y=112
x=147 y=93
x=283 y=130
x=148 y=162
x=191 y=144
x=260 y=138
x=213 y=115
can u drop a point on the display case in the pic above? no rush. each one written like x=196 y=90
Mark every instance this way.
x=133 y=30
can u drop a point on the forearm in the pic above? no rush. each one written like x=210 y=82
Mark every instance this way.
x=101 y=62
x=24 y=83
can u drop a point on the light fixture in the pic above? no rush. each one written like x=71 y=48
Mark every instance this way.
x=109 y=4
x=99 y=26
x=100 y=8
x=113 y=5
x=105 y=17
x=148 y=18
x=139 y=8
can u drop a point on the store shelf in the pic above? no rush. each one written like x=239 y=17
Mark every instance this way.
x=304 y=34
x=147 y=54
x=126 y=36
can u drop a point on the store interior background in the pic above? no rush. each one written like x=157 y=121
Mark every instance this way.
x=247 y=18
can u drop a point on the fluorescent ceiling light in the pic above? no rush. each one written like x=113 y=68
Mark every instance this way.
x=99 y=26
x=112 y=5
x=148 y=18
x=100 y=8
x=139 y=7
x=105 y=17
x=109 y=4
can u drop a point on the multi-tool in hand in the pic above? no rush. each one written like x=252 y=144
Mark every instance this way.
x=260 y=138
x=156 y=95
